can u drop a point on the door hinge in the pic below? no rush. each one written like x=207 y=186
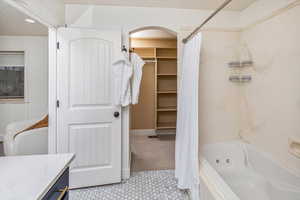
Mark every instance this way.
x=57 y=45
x=57 y=103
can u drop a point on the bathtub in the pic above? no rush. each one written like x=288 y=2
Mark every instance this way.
x=238 y=171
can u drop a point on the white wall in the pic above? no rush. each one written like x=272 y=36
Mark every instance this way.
x=270 y=104
x=36 y=79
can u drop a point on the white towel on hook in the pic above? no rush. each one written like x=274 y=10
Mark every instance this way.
x=137 y=63
x=122 y=73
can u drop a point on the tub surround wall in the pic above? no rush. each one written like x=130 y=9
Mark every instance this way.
x=219 y=98
x=270 y=104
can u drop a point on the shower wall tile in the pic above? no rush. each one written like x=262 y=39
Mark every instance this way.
x=270 y=104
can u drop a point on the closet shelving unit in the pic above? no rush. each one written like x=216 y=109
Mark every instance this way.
x=165 y=63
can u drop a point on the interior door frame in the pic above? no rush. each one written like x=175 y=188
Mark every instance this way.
x=52 y=101
x=52 y=91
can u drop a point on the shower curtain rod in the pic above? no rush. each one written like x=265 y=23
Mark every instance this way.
x=190 y=36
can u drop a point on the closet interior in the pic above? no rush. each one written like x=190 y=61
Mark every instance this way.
x=157 y=107
x=153 y=119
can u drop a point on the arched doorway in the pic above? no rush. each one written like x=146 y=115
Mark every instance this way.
x=153 y=119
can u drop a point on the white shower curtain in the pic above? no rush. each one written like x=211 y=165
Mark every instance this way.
x=187 y=165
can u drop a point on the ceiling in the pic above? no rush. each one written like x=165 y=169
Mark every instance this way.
x=189 y=4
x=12 y=23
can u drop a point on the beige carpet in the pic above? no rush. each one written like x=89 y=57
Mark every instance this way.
x=152 y=153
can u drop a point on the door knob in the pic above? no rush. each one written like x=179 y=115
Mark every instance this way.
x=116 y=114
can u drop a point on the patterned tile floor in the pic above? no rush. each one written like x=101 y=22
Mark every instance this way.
x=147 y=185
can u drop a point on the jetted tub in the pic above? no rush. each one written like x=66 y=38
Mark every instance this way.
x=238 y=171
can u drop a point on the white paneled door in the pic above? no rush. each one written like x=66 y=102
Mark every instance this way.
x=88 y=124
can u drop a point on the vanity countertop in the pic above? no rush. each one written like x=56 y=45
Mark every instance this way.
x=30 y=177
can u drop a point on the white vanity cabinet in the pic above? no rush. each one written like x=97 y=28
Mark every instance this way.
x=35 y=177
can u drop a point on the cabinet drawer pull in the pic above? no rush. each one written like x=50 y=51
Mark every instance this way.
x=63 y=192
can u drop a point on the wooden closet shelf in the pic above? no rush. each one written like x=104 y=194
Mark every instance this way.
x=165 y=128
x=167 y=109
x=167 y=92
x=134 y=48
x=147 y=57
x=166 y=47
x=166 y=74
x=166 y=57
x=166 y=125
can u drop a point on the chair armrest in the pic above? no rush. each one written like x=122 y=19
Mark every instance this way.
x=15 y=127
x=31 y=142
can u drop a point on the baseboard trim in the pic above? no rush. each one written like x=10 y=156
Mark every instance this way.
x=143 y=131
x=125 y=174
